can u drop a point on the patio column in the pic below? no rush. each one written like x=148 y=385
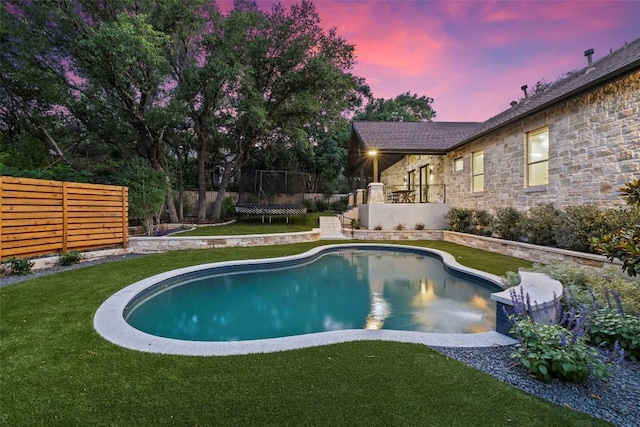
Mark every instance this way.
x=374 y=157
x=376 y=193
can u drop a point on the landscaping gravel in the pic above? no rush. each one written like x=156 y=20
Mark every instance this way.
x=615 y=399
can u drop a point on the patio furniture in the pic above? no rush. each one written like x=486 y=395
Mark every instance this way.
x=403 y=196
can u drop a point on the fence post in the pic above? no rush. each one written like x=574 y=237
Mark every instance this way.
x=125 y=222
x=65 y=218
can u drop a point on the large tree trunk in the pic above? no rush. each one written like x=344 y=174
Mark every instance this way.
x=171 y=204
x=217 y=204
x=202 y=179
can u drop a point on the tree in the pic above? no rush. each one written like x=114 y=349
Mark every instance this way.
x=624 y=244
x=404 y=107
x=292 y=76
x=97 y=83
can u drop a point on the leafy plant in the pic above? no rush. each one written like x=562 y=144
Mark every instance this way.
x=540 y=223
x=70 y=258
x=378 y=227
x=20 y=266
x=146 y=192
x=624 y=244
x=508 y=223
x=419 y=226
x=481 y=222
x=321 y=205
x=459 y=219
x=552 y=351
x=355 y=224
x=558 y=350
x=400 y=226
x=612 y=328
x=228 y=209
x=311 y=205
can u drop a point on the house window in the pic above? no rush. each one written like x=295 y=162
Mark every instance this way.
x=538 y=157
x=411 y=184
x=477 y=171
x=458 y=164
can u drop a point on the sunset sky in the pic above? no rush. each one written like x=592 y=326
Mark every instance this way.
x=472 y=57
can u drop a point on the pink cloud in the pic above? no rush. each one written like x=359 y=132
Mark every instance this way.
x=473 y=56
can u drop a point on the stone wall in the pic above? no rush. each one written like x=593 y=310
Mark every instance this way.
x=396 y=176
x=594 y=149
x=163 y=244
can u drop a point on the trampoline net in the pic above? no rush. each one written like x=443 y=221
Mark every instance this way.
x=272 y=188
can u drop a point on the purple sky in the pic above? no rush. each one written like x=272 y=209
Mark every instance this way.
x=472 y=57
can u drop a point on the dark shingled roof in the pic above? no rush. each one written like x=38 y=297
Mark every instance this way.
x=397 y=138
x=423 y=137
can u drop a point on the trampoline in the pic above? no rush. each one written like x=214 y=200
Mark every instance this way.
x=268 y=193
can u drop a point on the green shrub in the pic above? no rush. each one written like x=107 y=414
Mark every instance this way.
x=419 y=226
x=610 y=327
x=400 y=227
x=355 y=224
x=340 y=205
x=321 y=205
x=481 y=222
x=508 y=223
x=540 y=224
x=624 y=244
x=228 y=208
x=552 y=351
x=378 y=227
x=460 y=219
x=580 y=223
x=20 y=266
x=70 y=258
x=582 y=284
x=311 y=205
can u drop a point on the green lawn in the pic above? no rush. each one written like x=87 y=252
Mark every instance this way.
x=254 y=225
x=56 y=370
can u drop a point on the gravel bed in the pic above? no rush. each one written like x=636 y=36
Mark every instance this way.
x=11 y=279
x=615 y=399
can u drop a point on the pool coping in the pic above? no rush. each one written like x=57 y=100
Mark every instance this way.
x=110 y=324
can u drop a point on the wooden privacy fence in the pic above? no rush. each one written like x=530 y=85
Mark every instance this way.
x=40 y=217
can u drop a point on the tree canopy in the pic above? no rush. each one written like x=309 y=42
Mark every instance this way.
x=405 y=107
x=93 y=85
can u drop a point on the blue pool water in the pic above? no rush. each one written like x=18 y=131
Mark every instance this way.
x=345 y=289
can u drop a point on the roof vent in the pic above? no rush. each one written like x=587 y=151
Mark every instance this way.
x=588 y=53
x=514 y=103
x=524 y=89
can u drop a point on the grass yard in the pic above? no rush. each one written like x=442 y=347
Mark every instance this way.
x=56 y=370
x=254 y=225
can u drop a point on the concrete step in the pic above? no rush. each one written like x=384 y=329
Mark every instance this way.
x=330 y=228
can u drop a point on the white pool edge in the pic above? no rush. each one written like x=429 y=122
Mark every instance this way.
x=110 y=324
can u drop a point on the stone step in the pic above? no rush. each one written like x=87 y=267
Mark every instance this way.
x=330 y=228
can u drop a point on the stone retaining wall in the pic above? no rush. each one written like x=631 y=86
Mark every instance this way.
x=162 y=244
x=534 y=253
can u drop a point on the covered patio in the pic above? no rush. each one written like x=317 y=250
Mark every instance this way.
x=401 y=168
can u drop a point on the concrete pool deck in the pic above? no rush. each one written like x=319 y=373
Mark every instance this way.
x=110 y=323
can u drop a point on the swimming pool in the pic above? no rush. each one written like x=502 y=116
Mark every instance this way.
x=330 y=294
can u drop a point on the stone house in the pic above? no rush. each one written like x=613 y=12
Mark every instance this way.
x=575 y=142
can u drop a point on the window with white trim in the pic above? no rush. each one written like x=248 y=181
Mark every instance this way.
x=458 y=164
x=477 y=171
x=538 y=157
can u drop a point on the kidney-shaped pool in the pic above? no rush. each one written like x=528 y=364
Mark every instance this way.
x=328 y=289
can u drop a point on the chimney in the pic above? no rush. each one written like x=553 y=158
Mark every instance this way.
x=524 y=89
x=588 y=53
